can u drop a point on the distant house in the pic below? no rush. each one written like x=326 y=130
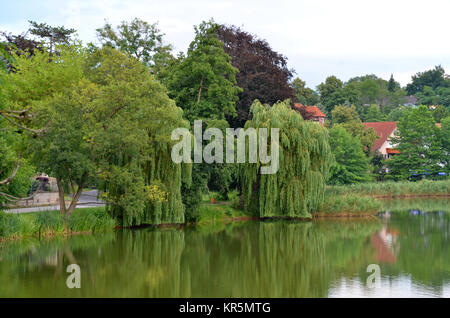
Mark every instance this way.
x=410 y=101
x=385 y=131
x=310 y=113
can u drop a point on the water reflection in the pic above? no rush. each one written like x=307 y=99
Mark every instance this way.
x=248 y=259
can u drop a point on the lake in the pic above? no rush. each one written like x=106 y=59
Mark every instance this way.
x=409 y=241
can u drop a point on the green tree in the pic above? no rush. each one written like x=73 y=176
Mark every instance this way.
x=15 y=171
x=141 y=40
x=305 y=95
x=396 y=113
x=331 y=93
x=348 y=118
x=444 y=94
x=351 y=165
x=392 y=84
x=106 y=120
x=374 y=114
x=35 y=80
x=445 y=140
x=344 y=114
x=204 y=82
x=433 y=78
x=418 y=140
x=439 y=113
x=304 y=159
x=51 y=35
x=370 y=89
x=427 y=96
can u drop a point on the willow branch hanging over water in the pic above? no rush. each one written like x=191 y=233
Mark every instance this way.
x=304 y=159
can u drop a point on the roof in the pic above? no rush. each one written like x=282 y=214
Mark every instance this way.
x=392 y=151
x=310 y=111
x=411 y=99
x=383 y=129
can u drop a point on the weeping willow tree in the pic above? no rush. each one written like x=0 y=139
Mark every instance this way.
x=297 y=188
x=136 y=118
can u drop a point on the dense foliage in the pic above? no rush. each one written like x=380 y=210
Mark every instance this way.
x=351 y=165
x=304 y=160
x=263 y=73
x=419 y=143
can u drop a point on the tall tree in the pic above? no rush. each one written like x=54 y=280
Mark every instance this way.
x=204 y=82
x=373 y=113
x=140 y=39
x=419 y=144
x=433 y=78
x=331 y=93
x=440 y=112
x=351 y=165
x=392 y=84
x=303 y=94
x=297 y=188
x=347 y=117
x=106 y=120
x=263 y=73
x=50 y=34
x=445 y=140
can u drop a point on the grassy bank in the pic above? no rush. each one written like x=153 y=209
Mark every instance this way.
x=219 y=213
x=421 y=204
x=393 y=189
x=50 y=223
x=348 y=205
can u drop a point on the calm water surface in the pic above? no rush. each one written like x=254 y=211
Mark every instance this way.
x=410 y=241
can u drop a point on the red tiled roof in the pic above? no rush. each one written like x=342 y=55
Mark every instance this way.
x=312 y=111
x=392 y=151
x=383 y=129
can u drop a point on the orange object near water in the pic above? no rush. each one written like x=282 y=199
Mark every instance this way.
x=213 y=200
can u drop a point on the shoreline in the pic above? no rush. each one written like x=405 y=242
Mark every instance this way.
x=411 y=195
x=238 y=216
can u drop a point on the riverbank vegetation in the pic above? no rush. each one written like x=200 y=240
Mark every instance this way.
x=391 y=189
x=349 y=204
x=52 y=223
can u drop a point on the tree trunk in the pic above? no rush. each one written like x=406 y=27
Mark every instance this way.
x=62 y=202
x=200 y=91
x=77 y=195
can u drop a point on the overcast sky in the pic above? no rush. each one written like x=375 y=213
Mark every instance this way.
x=345 y=38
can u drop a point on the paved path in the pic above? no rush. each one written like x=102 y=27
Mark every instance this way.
x=88 y=199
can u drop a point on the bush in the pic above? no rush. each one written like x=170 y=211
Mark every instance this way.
x=12 y=225
x=82 y=220
x=49 y=221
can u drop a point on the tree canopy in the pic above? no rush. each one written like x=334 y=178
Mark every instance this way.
x=140 y=39
x=304 y=160
x=419 y=143
x=263 y=74
x=204 y=82
x=106 y=120
x=350 y=165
